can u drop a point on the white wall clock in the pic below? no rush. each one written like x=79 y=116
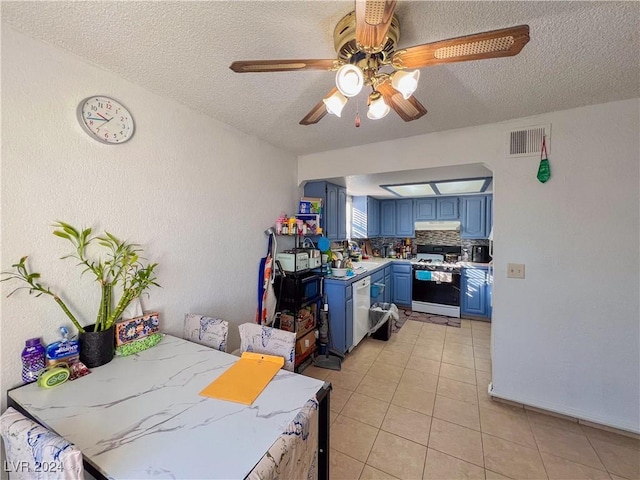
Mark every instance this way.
x=105 y=119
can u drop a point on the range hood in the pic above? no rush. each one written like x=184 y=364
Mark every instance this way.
x=437 y=226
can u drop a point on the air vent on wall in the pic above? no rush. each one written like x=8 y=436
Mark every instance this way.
x=527 y=142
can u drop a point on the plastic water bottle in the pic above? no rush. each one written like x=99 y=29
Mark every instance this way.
x=32 y=360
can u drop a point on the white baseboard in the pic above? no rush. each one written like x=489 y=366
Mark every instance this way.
x=562 y=410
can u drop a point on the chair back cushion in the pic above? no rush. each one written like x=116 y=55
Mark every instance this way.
x=272 y=341
x=208 y=331
x=30 y=448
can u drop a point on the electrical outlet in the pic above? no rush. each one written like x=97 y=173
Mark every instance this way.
x=515 y=270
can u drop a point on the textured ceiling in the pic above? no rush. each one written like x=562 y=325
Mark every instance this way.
x=580 y=53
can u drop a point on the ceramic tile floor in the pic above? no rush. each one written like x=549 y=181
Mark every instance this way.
x=416 y=407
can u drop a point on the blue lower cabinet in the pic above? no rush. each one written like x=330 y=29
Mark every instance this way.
x=476 y=292
x=340 y=299
x=388 y=284
x=378 y=286
x=401 y=281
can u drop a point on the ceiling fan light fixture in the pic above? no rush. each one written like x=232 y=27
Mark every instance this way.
x=349 y=80
x=405 y=82
x=335 y=103
x=377 y=107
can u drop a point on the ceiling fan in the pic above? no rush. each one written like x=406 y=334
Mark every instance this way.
x=365 y=42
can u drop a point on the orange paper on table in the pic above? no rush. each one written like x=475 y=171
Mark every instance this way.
x=245 y=379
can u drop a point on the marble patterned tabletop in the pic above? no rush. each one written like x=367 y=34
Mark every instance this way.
x=142 y=416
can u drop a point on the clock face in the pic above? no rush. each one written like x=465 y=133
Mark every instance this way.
x=105 y=119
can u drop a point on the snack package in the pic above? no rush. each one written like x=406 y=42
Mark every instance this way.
x=64 y=351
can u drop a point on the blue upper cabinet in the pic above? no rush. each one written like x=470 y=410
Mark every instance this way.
x=365 y=217
x=447 y=208
x=437 y=208
x=489 y=214
x=342 y=213
x=425 y=209
x=405 y=223
x=373 y=217
x=473 y=223
x=387 y=218
x=334 y=214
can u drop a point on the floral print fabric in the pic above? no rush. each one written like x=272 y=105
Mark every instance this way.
x=208 y=331
x=272 y=341
x=35 y=453
x=295 y=453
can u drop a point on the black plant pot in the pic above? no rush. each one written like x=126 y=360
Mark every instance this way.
x=96 y=348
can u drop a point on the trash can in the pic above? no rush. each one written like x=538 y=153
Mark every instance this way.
x=381 y=317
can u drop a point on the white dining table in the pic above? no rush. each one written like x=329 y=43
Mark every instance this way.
x=141 y=416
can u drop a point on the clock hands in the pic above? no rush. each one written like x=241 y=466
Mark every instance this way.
x=104 y=118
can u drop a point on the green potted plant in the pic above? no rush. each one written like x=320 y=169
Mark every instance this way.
x=119 y=268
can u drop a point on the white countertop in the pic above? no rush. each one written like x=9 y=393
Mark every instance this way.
x=142 y=416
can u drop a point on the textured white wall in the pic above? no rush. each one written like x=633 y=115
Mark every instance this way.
x=194 y=192
x=566 y=338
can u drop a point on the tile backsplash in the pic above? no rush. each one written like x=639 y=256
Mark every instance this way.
x=431 y=237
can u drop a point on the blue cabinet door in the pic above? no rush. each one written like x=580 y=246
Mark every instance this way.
x=425 y=209
x=377 y=286
x=447 y=208
x=405 y=223
x=334 y=208
x=341 y=213
x=388 y=282
x=402 y=289
x=338 y=318
x=388 y=218
x=365 y=217
x=373 y=217
x=489 y=214
x=401 y=273
x=474 y=217
x=475 y=300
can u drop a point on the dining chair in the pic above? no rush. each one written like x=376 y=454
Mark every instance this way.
x=269 y=340
x=36 y=453
x=295 y=452
x=208 y=331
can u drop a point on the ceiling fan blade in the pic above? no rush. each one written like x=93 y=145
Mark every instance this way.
x=245 y=66
x=410 y=109
x=496 y=43
x=373 y=18
x=317 y=112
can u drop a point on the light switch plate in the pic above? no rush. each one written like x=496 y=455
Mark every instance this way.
x=515 y=270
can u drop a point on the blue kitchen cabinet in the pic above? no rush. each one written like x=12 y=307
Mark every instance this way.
x=334 y=208
x=388 y=285
x=340 y=300
x=377 y=286
x=447 y=208
x=436 y=208
x=387 y=218
x=342 y=213
x=401 y=283
x=475 y=286
x=473 y=223
x=396 y=218
x=365 y=217
x=426 y=209
x=489 y=214
x=405 y=223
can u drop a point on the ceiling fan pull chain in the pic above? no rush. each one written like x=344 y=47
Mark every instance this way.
x=357 y=114
x=544 y=170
